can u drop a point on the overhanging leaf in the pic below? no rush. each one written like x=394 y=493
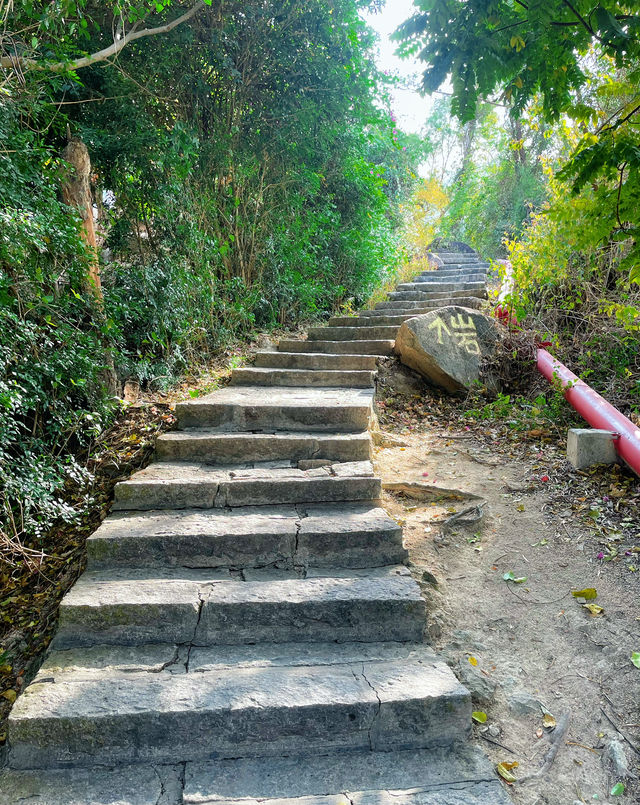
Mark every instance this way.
x=479 y=716
x=635 y=658
x=617 y=790
x=594 y=609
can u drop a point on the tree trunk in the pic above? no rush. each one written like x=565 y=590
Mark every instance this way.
x=76 y=192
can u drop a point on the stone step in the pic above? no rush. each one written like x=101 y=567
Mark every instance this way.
x=460 y=261
x=378 y=347
x=195 y=485
x=456 y=256
x=405 y=699
x=208 y=607
x=425 y=287
x=437 y=276
x=431 y=296
x=214 y=447
x=315 y=360
x=418 y=296
x=466 y=276
x=393 y=313
x=352 y=334
x=328 y=378
x=454 y=775
x=428 y=287
x=349 y=535
x=247 y=408
x=365 y=321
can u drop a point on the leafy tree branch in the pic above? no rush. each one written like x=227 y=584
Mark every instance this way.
x=14 y=60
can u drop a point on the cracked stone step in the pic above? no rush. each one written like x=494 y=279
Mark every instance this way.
x=238 y=712
x=396 y=317
x=437 y=287
x=431 y=296
x=195 y=485
x=124 y=607
x=317 y=360
x=352 y=333
x=456 y=257
x=331 y=378
x=248 y=408
x=210 y=445
x=458 y=284
x=419 y=296
x=457 y=775
x=408 y=312
x=466 y=276
x=350 y=535
x=361 y=347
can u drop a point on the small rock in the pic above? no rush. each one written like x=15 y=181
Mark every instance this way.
x=430 y=578
x=522 y=703
x=494 y=730
x=481 y=687
x=618 y=759
x=509 y=683
x=312 y=463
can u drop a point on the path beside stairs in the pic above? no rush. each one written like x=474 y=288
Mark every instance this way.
x=246 y=628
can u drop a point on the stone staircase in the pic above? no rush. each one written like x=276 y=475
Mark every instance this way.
x=246 y=628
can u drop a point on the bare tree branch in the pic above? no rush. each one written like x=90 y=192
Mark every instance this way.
x=14 y=61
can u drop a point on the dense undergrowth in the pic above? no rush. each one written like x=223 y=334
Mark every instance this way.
x=246 y=175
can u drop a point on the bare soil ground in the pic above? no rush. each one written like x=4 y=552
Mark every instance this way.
x=525 y=648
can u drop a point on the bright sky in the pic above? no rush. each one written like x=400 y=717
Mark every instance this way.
x=410 y=107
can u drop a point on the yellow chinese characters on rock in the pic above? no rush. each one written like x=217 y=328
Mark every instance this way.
x=464 y=332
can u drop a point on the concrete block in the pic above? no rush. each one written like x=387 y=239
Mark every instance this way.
x=589 y=446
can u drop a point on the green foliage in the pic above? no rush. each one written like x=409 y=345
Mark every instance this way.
x=524 y=49
x=51 y=356
x=251 y=181
x=579 y=61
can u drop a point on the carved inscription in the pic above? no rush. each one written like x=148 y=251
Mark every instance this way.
x=463 y=332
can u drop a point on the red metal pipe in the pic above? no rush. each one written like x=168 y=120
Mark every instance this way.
x=594 y=408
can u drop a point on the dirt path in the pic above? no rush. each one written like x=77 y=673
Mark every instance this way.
x=530 y=647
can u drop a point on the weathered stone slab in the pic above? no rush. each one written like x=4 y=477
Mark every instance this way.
x=97 y=661
x=103 y=608
x=213 y=447
x=180 y=485
x=426 y=298
x=360 y=347
x=306 y=654
x=332 y=535
x=244 y=712
x=125 y=608
x=329 y=378
x=351 y=333
x=413 y=309
x=373 y=608
x=252 y=408
x=128 y=785
x=447 y=345
x=459 y=776
x=349 y=536
x=242 y=537
x=317 y=360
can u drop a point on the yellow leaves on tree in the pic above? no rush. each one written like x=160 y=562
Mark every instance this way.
x=422 y=213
